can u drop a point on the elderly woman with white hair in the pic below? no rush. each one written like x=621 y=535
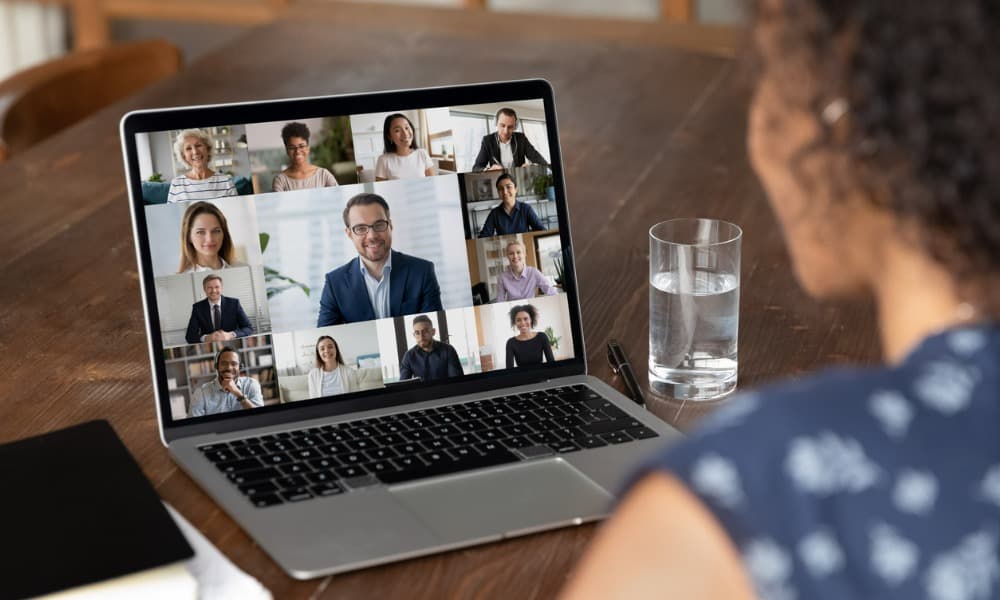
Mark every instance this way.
x=194 y=148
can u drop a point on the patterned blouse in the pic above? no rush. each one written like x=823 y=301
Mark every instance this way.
x=862 y=483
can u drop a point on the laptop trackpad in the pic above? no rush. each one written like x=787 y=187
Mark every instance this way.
x=511 y=500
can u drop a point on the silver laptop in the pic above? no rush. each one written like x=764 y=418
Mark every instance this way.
x=364 y=321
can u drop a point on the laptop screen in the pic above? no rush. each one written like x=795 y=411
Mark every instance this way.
x=318 y=257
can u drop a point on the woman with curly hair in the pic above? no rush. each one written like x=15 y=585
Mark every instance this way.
x=528 y=347
x=300 y=174
x=875 y=129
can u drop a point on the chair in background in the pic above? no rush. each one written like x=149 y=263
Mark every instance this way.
x=40 y=101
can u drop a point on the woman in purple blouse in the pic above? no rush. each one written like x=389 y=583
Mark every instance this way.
x=519 y=281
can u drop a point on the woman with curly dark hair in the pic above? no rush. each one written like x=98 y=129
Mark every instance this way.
x=300 y=174
x=875 y=129
x=528 y=347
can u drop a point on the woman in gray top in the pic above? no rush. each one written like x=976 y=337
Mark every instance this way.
x=300 y=174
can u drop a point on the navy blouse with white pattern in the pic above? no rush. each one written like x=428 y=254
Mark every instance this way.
x=862 y=483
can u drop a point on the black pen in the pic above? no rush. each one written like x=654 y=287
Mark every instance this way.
x=621 y=366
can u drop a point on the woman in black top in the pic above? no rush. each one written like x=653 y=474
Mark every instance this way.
x=527 y=347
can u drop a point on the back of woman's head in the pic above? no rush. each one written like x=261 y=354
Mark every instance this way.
x=907 y=98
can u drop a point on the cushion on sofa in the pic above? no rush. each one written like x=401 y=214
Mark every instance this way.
x=155 y=192
x=296 y=387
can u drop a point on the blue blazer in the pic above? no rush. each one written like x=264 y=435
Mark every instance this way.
x=233 y=319
x=413 y=288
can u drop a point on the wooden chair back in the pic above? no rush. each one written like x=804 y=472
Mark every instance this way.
x=42 y=100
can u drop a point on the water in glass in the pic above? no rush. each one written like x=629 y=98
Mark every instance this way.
x=693 y=333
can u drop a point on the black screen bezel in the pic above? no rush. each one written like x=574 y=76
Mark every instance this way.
x=150 y=121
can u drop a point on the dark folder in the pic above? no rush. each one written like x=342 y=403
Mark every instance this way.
x=76 y=509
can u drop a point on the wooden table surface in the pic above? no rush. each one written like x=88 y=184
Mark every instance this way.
x=652 y=122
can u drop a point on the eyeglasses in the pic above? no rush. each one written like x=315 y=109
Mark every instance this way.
x=362 y=229
x=296 y=147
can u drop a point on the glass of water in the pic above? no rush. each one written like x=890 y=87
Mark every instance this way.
x=694 y=308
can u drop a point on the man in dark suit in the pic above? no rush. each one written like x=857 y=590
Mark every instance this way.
x=506 y=148
x=381 y=283
x=216 y=318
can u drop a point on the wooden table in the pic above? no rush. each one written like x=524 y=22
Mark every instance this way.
x=649 y=131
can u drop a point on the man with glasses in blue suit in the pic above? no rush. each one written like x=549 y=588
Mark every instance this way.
x=382 y=282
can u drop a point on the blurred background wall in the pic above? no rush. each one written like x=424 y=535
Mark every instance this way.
x=32 y=31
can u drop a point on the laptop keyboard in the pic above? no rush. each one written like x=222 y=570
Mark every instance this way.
x=292 y=466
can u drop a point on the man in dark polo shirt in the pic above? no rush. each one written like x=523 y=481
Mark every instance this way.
x=429 y=359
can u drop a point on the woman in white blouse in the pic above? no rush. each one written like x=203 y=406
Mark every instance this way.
x=330 y=376
x=402 y=158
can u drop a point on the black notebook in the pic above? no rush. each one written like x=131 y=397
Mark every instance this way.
x=76 y=509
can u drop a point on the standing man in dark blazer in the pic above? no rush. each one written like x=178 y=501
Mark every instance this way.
x=381 y=283
x=216 y=318
x=506 y=148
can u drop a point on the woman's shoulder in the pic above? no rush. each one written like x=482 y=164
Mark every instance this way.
x=176 y=192
x=281 y=183
x=325 y=176
x=752 y=437
x=834 y=399
x=845 y=459
x=859 y=416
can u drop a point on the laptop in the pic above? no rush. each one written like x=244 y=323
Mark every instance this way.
x=364 y=322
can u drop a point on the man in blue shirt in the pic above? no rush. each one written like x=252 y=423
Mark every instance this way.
x=511 y=215
x=381 y=283
x=429 y=359
x=228 y=391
